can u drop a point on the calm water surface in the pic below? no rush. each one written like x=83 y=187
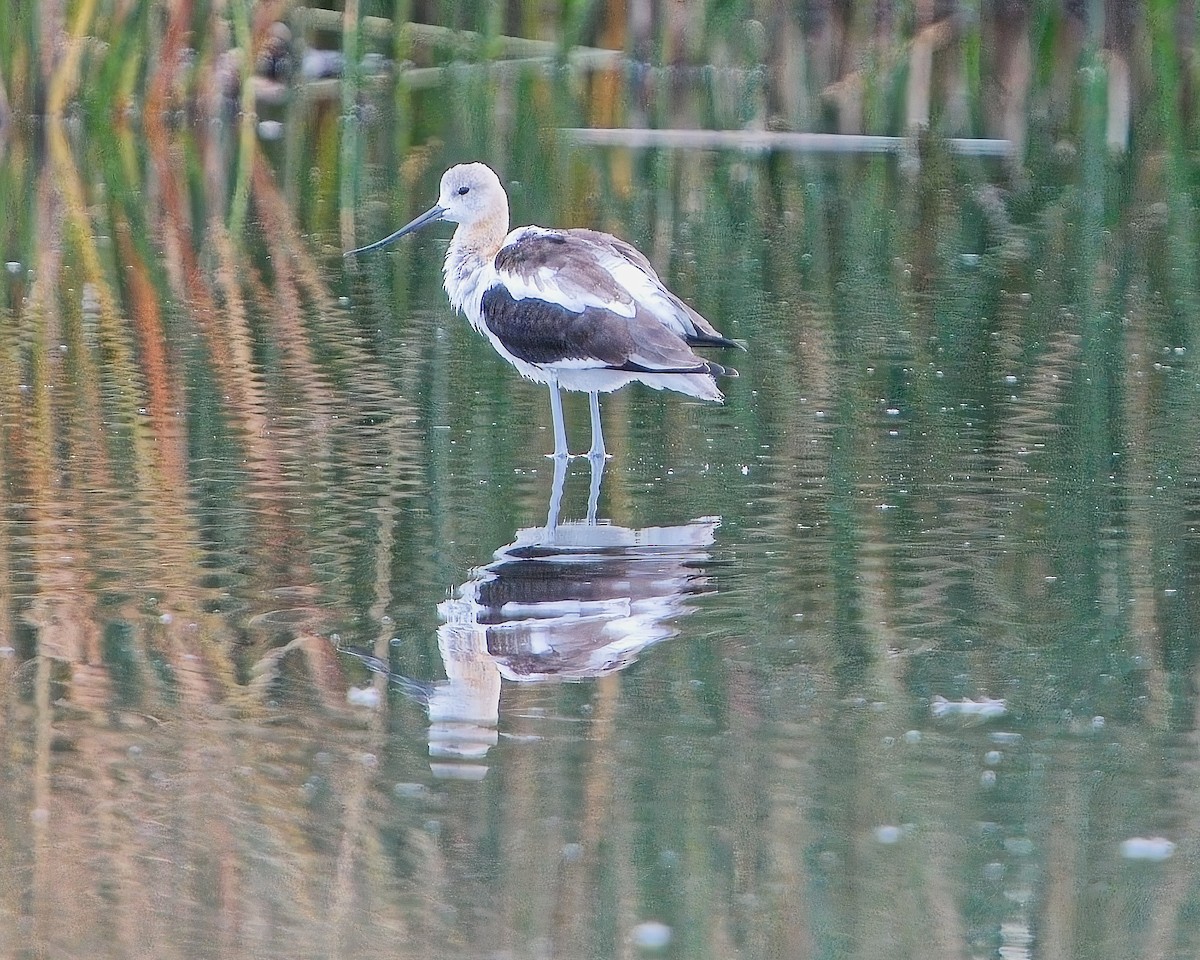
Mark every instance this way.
x=892 y=654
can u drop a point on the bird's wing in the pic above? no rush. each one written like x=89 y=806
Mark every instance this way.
x=652 y=293
x=547 y=333
x=578 y=269
x=558 y=268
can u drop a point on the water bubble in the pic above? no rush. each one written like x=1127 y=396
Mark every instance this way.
x=363 y=697
x=1153 y=849
x=912 y=736
x=888 y=834
x=1019 y=846
x=651 y=935
x=993 y=757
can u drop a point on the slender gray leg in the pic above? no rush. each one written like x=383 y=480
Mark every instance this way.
x=560 y=428
x=556 y=492
x=597 y=450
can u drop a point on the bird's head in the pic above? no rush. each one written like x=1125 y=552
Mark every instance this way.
x=471 y=194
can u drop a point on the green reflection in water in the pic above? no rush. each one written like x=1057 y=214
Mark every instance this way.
x=958 y=464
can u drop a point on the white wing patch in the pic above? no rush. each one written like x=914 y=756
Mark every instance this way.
x=547 y=284
x=650 y=293
x=578 y=255
x=562 y=279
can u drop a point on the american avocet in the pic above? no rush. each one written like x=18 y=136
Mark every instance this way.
x=575 y=309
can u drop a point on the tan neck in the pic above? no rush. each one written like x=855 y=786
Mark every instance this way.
x=472 y=249
x=483 y=237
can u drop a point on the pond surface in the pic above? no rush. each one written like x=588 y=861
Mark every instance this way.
x=891 y=654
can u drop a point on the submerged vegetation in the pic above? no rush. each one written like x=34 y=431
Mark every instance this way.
x=962 y=460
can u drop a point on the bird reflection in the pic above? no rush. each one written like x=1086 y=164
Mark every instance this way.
x=568 y=601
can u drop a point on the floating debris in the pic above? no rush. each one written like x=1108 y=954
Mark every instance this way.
x=270 y=130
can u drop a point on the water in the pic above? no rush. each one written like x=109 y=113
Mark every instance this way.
x=890 y=654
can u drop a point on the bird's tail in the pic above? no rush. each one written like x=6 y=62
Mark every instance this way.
x=704 y=340
x=720 y=369
x=699 y=385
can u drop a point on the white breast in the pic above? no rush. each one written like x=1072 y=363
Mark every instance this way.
x=467 y=275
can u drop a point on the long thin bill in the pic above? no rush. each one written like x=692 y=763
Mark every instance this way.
x=431 y=215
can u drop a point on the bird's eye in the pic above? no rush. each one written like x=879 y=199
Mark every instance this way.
x=463 y=190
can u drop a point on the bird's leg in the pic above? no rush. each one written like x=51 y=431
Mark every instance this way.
x=560 y=428
x=556 y=492
x=597 y=451
x=594 y=491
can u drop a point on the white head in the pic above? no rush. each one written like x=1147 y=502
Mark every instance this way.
x=471 y=192
x=471 y=195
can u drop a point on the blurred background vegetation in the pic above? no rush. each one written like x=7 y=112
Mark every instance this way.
x=999 y=69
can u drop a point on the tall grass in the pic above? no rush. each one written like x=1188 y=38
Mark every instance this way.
x=858 y=67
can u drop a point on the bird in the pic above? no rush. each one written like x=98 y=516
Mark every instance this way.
x=575 y=309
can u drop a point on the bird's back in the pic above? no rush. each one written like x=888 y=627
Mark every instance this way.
x=587 y=310
x=579 y=268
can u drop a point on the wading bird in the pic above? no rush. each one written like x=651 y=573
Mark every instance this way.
x=574 y=309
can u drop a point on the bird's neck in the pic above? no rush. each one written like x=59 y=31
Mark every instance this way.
x=472 y=249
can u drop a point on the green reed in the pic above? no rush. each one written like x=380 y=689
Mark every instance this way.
x=859 y=66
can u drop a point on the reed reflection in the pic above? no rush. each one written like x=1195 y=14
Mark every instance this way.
x=567 y=601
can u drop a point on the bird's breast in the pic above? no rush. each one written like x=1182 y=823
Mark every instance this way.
x=466 y=278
